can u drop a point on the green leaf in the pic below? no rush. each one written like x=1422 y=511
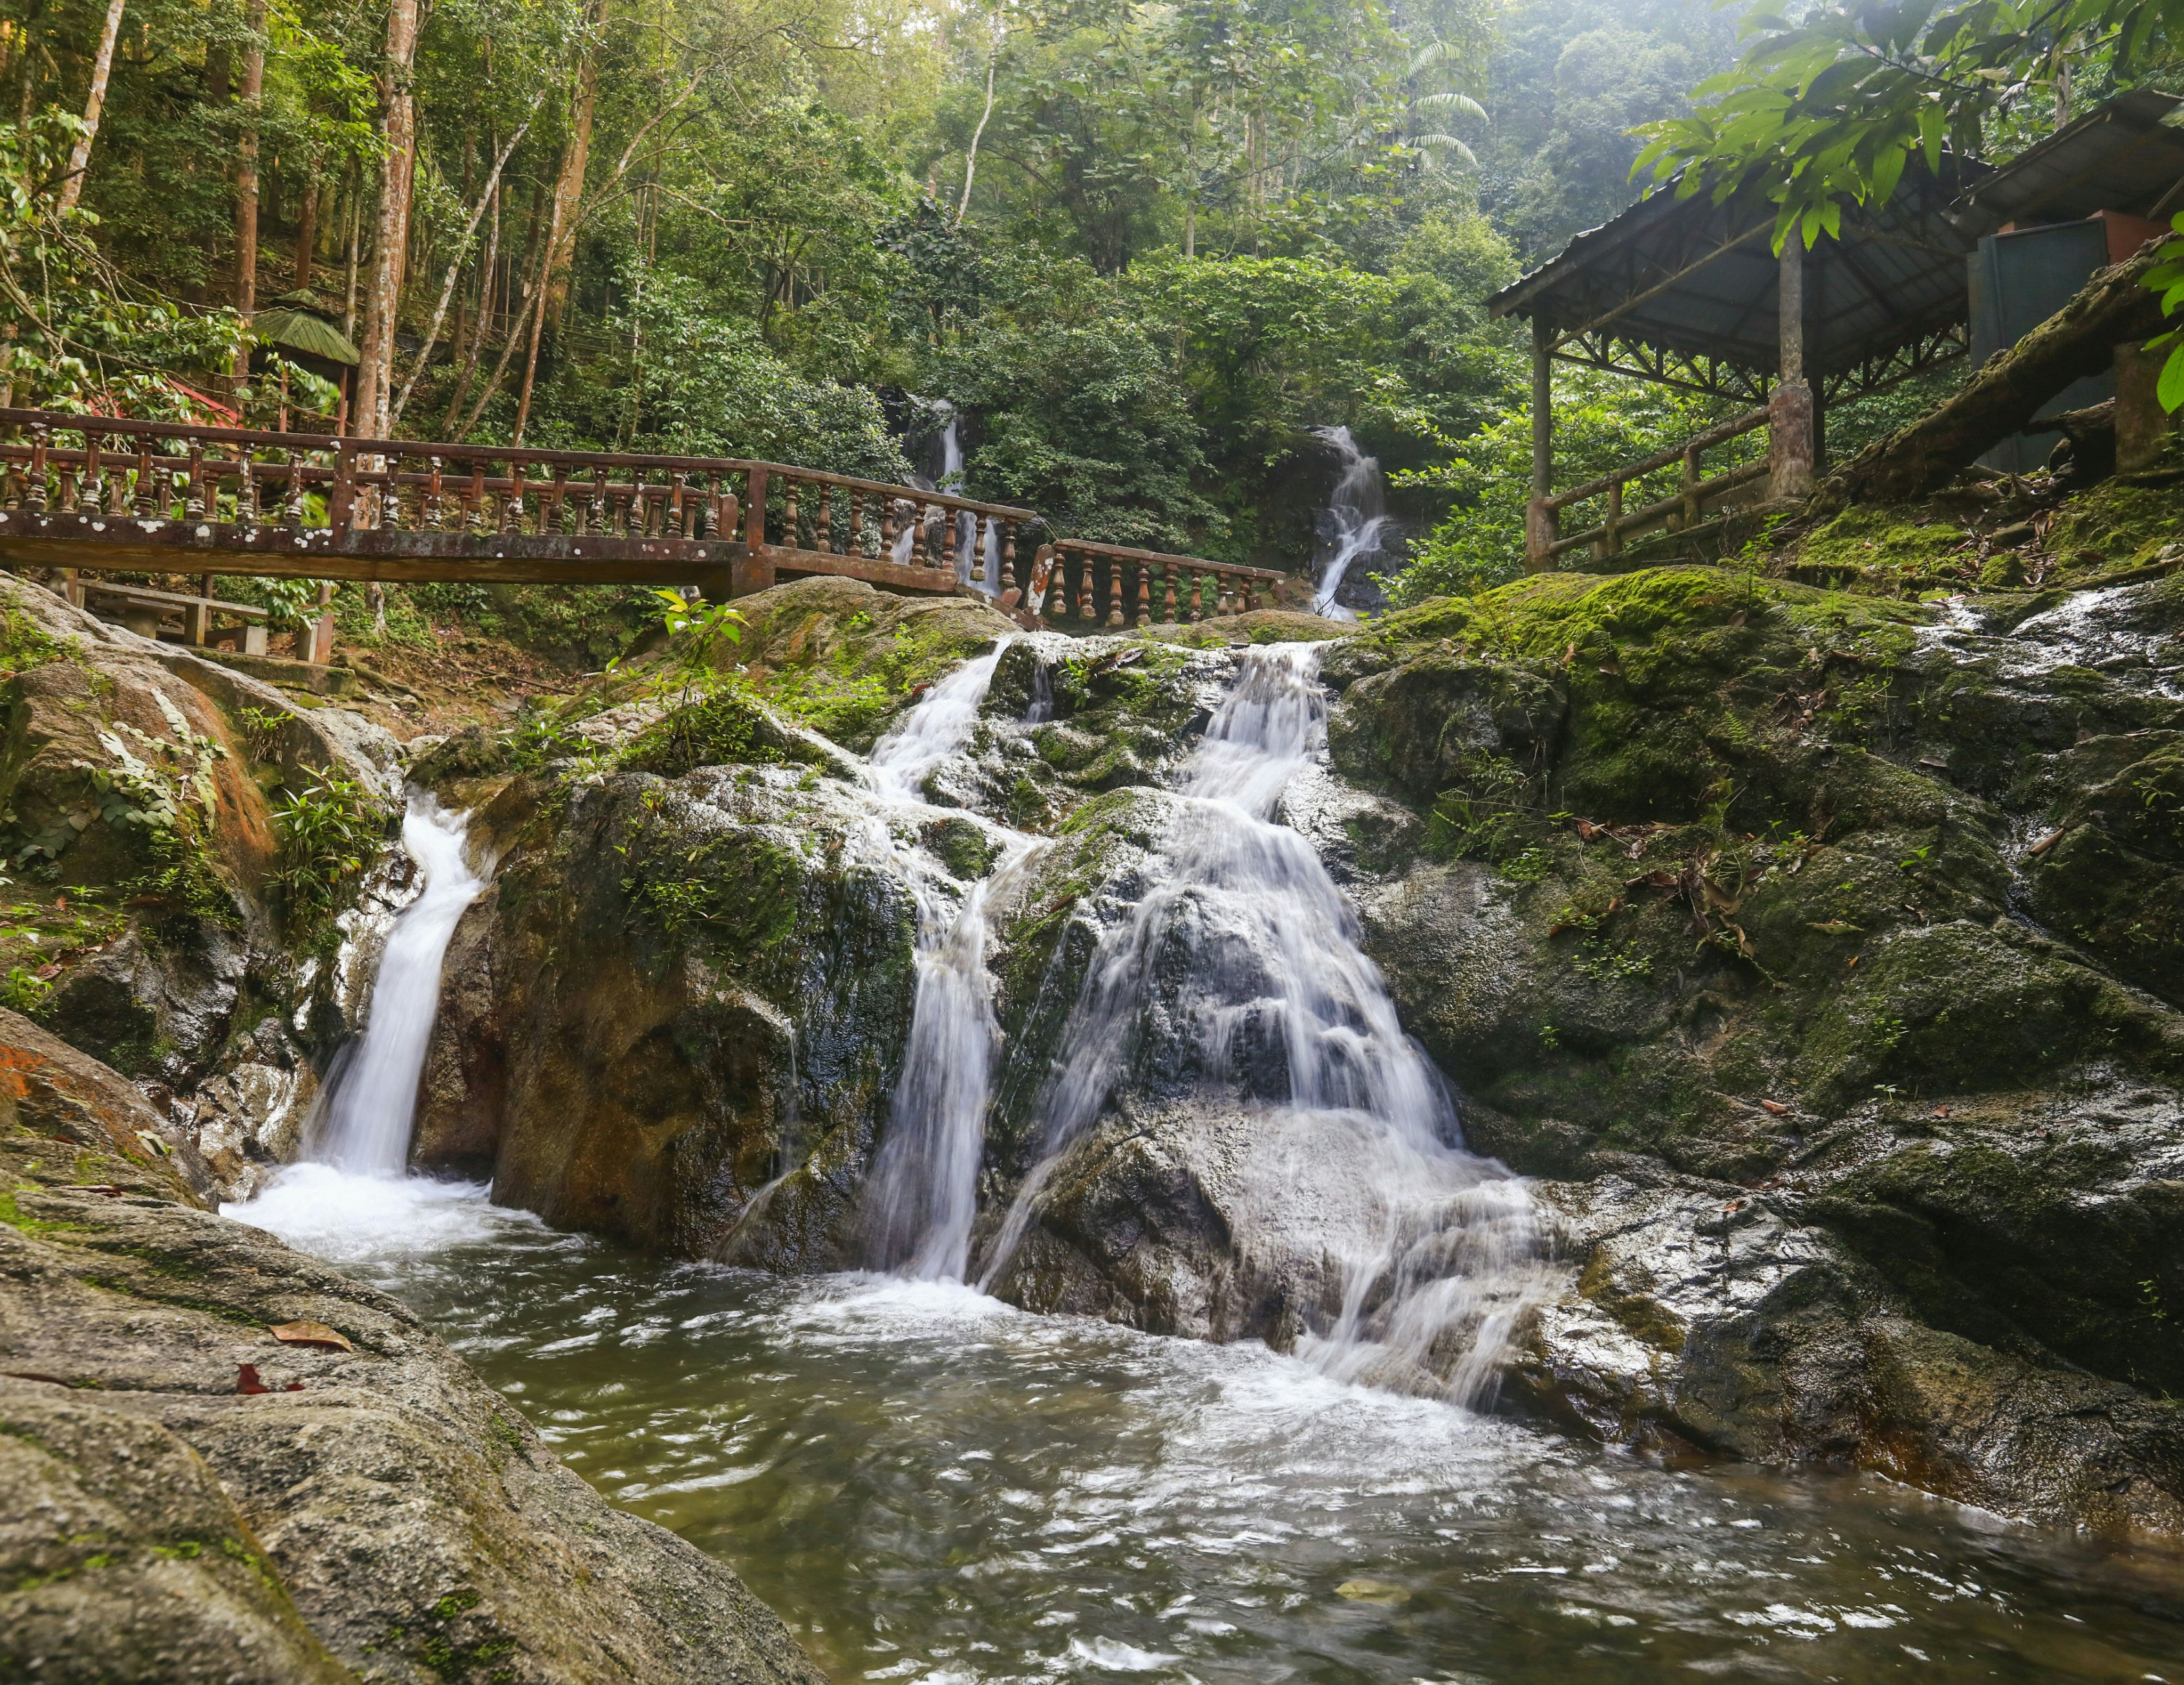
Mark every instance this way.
x=2170 y=389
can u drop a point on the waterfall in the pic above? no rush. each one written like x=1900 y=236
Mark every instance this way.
x=1355 y=522
x=363 y=1124
x=923 y=1195
x=965 y=545
x=1240 y=966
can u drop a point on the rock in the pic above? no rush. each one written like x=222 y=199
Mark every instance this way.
x=1709 y=1316
x=392 y=1519
x=680 y=996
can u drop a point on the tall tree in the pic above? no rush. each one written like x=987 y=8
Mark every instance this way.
x=102 y=67
x=246 y=178
x=382 y=297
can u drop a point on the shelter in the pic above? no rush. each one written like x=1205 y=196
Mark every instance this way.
x=301 y=325
x=2088 y=195
x=1687 y=292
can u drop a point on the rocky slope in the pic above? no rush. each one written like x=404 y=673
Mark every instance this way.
x=195 y=1497
x=1817 y=950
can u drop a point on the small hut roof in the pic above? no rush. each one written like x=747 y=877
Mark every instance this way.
x=2127 y=155
x=1683 y=290
x=296 y=321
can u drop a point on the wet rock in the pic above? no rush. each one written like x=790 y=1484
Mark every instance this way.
x=376 y=1513
x=1706 y=1315
x=676 y=1015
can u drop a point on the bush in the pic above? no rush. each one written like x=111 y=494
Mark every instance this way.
x=328 y=829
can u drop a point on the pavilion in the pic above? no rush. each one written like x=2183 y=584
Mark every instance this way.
x=1687 y=292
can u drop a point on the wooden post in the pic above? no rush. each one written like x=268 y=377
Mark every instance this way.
x=755 y=513
x=1690 y=486
x=322 y=634
x=197 y=619
x=1611 y=540
x=1539 y=524
x=1789 y=406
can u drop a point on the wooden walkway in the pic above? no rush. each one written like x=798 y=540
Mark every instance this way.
x=100 y=493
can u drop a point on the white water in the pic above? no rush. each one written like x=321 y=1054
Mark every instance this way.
x=1355 y=520
x=1240 y=967
x=966 y=542
x=363 y=1124
x=922 y=1195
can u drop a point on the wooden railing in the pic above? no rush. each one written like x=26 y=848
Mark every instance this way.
x=106 y=492
x=1681 y=511
x=1113 y=585
x=367 y=496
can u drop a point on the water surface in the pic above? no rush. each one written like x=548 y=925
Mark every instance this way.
x=931 y=1487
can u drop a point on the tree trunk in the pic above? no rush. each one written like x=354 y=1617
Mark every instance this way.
x=246 y=180
x=455 y=266
x=102 y=66
x=561 y=230
x=534 y=262
x=307 y=225
x=2079 y=339
x=383 y=295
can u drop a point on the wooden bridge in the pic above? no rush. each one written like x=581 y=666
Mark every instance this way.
x=98 y=493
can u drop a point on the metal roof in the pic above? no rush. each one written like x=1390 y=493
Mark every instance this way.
x=2128 y=155
x=1683 y=291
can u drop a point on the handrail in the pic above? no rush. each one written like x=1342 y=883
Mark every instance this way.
x=321 y=491
x=304 y=505
x=1191 y=588
x=1681 y=511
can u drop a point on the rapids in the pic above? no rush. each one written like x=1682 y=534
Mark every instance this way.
x=934 y=1488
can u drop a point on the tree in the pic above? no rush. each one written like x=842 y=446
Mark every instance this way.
x=102 y=67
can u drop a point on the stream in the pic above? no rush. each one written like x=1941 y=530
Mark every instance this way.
x=931 y=1486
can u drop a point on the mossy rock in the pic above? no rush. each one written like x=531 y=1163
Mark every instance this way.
x=843 y=658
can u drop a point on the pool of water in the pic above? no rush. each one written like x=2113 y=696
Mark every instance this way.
x=931 y=1486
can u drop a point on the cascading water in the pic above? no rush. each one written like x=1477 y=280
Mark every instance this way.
x=923 y=1192
x=1240 y=966
x=966 y=545
x=1355 y=523
x=364 y=1125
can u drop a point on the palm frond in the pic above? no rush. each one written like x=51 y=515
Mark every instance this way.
x=1450 y=105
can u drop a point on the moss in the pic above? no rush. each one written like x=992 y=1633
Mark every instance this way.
x=2119 y=520
x=961 y=845
x=1907 y=542
x=725 y=727
x=24 y=645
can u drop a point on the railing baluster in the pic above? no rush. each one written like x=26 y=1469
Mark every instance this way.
x=791 y=527
x=512 y=509
x=142 y=498
x=117 y=489
x=34 y=498
x=87 y=495
x=294 y=509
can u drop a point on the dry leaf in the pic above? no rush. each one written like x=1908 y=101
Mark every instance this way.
x=1776 y=1107
x=311 y=1334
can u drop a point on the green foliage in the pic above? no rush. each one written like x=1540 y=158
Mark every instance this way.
x=1602 y=421
x=24 y=644
x=329 y=830
x=163 y=789
x=1829 y=107
x=2167 y=278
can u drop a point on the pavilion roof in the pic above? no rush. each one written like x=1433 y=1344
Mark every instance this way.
x=1682 y=291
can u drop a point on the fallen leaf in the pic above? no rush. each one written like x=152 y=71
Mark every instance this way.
x=1776 y=1107
x=1372 y=1591
x=247 y=1383
x=2047 y=841
x=311 y=1334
